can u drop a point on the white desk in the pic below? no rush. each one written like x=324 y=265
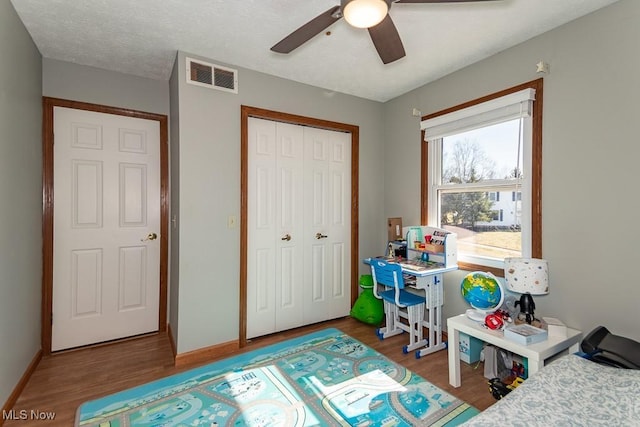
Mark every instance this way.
x=431 y=283
x=536 y=354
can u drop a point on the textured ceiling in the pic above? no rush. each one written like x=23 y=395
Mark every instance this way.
x=141 y=37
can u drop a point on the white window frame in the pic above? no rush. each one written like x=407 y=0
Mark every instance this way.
x=497 y=110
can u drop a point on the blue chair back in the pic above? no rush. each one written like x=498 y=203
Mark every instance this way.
x=387 y=273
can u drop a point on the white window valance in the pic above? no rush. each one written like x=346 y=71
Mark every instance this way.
x=508 y=107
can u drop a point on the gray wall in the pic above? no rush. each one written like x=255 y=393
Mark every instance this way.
x=20 y=199
x=97 y=86
x=590 y=154
x=209 y=188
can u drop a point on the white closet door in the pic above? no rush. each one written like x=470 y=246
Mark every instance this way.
x=327 y=224
x=261 y=276
x=289 y=226
x=299 y=186
x=274 y=264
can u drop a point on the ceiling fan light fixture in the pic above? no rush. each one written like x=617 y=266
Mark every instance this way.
x=364 y=13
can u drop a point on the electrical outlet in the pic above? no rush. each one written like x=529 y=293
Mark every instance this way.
x=231 y=221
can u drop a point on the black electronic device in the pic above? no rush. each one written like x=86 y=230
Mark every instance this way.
x=603 y=347
x=401 y=252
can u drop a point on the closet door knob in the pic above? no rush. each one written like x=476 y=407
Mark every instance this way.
x=150 y=236
x=320 y=236
x=286 y=237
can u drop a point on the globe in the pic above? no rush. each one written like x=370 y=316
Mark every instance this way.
x=483 y=292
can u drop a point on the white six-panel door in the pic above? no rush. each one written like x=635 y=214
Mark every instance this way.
x=106 y=212
x=274 y=264
x=327 y=208
x=298 y=192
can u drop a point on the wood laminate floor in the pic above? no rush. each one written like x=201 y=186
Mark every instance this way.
x=62 y=382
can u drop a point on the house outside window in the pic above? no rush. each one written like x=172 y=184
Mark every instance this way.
x=482 y=171
x=497 y=215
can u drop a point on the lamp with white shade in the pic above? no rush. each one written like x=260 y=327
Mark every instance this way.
x=526 y=276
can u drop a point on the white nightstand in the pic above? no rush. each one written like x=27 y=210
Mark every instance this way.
x=536 y=354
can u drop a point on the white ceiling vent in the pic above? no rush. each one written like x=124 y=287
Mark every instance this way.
x=213 y=76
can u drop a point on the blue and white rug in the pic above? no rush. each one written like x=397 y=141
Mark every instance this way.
x=324 y=378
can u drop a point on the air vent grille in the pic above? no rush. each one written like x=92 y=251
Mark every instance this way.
x=212 y=76
x=224 y=78
x=201 y=73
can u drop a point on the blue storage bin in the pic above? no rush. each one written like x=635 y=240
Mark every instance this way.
x=470 y=348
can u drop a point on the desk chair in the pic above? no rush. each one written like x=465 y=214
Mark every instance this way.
x=398 y=304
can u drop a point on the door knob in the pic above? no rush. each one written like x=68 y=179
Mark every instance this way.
x=320 y=236
x=150 y=236
x=286 y=237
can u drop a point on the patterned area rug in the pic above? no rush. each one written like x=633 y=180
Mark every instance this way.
x=324 y=378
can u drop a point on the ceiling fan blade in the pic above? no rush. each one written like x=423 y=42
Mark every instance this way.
x=387 y=41
x=308 y=31
x=438 y=1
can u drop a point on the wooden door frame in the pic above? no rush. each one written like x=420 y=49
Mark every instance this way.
x=48 y=105
x=245 y=113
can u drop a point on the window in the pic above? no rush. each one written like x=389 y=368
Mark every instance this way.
x=482 y=176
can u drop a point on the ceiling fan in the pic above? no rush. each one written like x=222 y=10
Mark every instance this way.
x=370 y=14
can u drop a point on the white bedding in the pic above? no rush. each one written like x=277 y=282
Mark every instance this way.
x=571 y=391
